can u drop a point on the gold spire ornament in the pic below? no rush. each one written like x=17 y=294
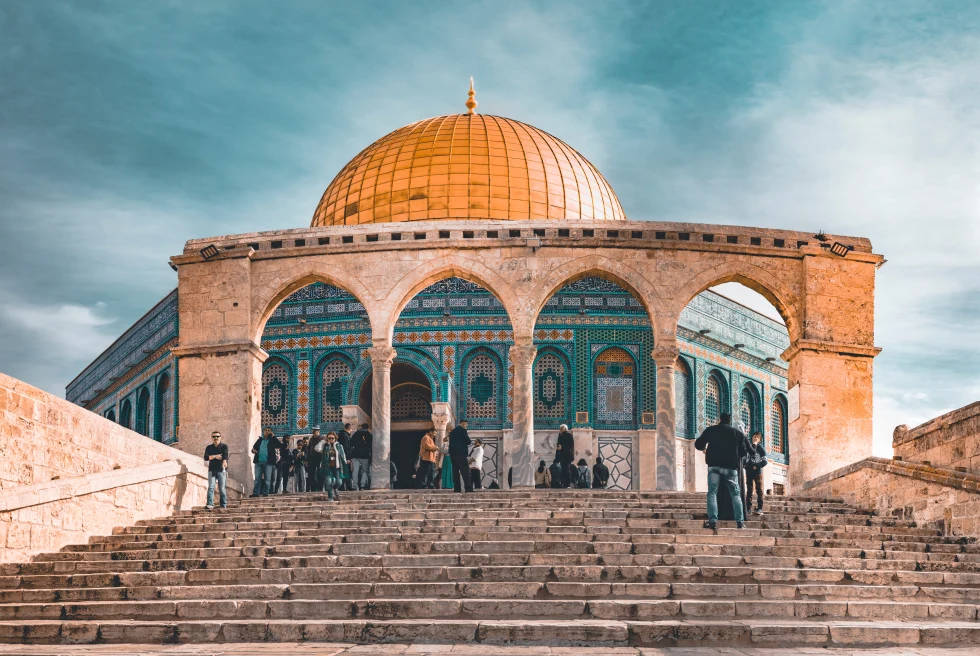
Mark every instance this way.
x=471 y=101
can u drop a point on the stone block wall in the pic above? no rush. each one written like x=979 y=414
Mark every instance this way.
x=932 y=497
x=951 y=440
x=67 y=473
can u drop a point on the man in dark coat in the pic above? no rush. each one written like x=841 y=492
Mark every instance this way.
x=343 y=437
x=313 y=460
x=361 y=450
x=265 y=455
x=459 y=450
x=566 y=454
x=724 y=447
x=556 y=470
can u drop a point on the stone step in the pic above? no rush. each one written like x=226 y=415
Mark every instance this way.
x=595 y=633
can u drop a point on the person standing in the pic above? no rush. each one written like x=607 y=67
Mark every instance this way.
x=216 y=455
x=333 y=466
x=724 y=447
x=343 y=438
x=600 y=474
x=755 y=460
x=285 y=466
x=428 y=452
x=446 y=477
x=265 y=453
x=299 y=465
x=476 y=465
x=314 y=456
x=361 y=450
x=459 y=446
x=542 y=476
x=566 y=454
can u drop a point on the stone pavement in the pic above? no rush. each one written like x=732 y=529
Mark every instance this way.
x=334 y=649
x=602 y=570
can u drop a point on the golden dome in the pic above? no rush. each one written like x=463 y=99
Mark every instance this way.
x=467 y=166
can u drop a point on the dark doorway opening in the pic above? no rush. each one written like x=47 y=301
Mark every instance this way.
x=404 y=452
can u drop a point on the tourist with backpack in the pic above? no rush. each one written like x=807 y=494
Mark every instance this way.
x=583 y=478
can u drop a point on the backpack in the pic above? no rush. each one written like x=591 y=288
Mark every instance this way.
x=582 y=482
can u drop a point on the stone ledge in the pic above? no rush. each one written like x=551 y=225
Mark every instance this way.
x=37 y=494
x=958 y=480
x=937 y=424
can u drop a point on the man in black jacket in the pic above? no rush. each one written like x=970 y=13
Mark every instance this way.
x=216 y=455
x=459 y=449
x=343 y=437
x=361 y=444
x=565 y=452
x=265 y=456
x=600 y=474
x=555 y=470
x=314 y=457
x=724 y=447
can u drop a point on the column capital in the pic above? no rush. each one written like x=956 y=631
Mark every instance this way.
x=665 y=355
x=381 y=356
x=523 y=355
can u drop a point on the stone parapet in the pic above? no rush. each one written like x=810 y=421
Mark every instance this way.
x=67 y=473
x=939 y=498
x=950 y=440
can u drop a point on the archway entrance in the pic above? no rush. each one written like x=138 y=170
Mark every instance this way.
x=411 y=416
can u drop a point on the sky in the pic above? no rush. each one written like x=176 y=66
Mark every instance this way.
x=127 y=128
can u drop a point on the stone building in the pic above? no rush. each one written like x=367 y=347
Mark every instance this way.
x=472 y=266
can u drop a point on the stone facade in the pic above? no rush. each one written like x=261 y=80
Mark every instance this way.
x=932 y=497
x=66 y=474
x=951 y=440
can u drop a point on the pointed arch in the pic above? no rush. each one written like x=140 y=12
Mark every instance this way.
x=614 y=382
x=778 y=431
x=448 y=266
x=756 y=278
x=606 y=268
x=126 y=414
x=266 y=298
x=163 y=416
x=143 y=411
x=750 y=409
x=332 y=373
x=684 y=406
x=717 y=397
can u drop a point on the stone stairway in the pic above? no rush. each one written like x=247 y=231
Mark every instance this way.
x=535 y=567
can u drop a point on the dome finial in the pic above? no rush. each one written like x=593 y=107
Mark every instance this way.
x=471 y=101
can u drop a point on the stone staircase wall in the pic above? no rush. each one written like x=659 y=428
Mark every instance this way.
x=944 y=499
x=67 y=474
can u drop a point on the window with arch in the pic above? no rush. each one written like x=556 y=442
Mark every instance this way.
x=411 y=403
x=482 y=380
x=683 y=424
x=163 y=422
x=143 y=412
x=750 y=410
x=550 y=389
x=275 y=394
x=614 y=376
x=715 y=398
x=110 y=415
x=779 y=428
x=126 y=414
x=332 y=391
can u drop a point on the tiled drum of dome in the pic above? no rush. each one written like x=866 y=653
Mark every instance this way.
x=275 y=395
x=331 y=391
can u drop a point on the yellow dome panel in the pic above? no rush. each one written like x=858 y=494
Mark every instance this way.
x=467 y=166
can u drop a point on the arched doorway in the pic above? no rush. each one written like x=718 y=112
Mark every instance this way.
x=411 y=416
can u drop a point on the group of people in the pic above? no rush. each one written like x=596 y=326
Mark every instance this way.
x=336 y=461
x=457 y=462
x=731 y=457
x=563 y=474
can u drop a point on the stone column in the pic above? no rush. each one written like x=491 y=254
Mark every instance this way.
x=441 y=418
x=220 y=390
x=522 y=358
x=666 y=356
x=830 y=427
x=381 y=358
